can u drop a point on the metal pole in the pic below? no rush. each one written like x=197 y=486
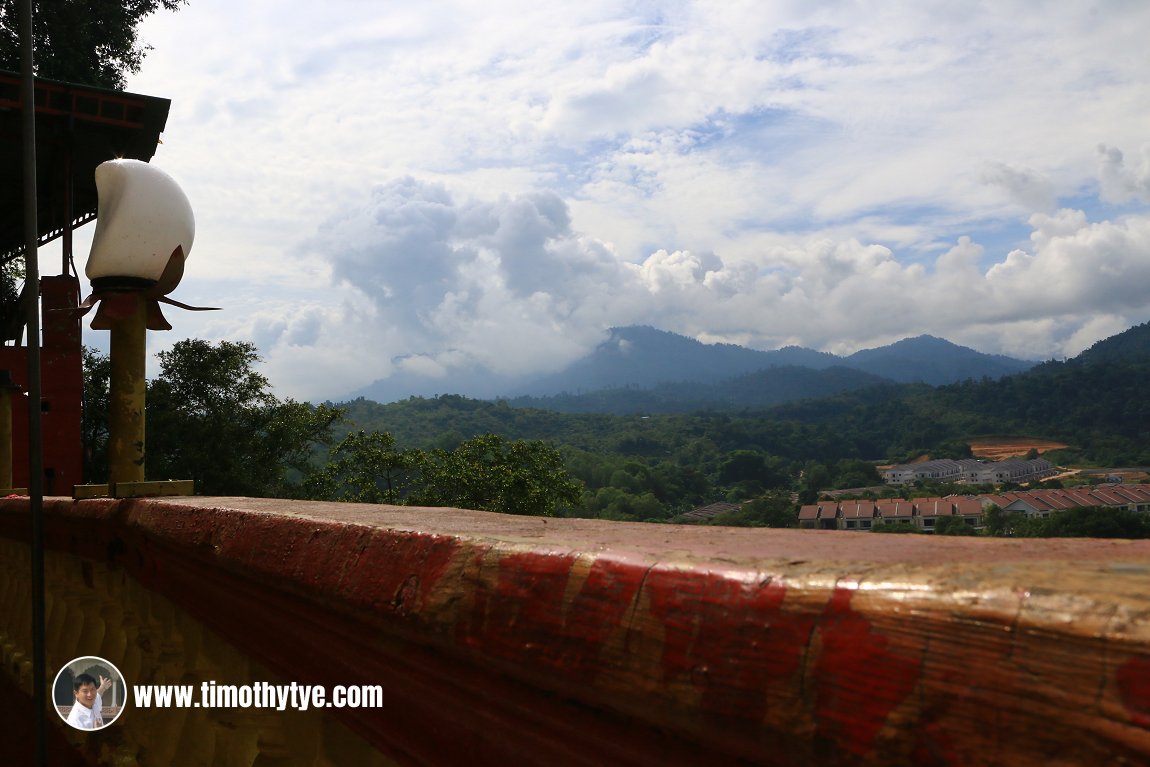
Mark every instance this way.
x=5 y=431
x=35 y=435
x=126 y=395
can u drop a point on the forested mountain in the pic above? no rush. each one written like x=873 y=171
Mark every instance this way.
x=643 y=357
x=762 y=388
x=656 y=465
x=1098 y=409
x=640 y=358
x=1128 y=346
x=935 y=361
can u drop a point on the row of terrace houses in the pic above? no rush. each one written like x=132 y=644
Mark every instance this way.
x=924 y=513
x=970 y=471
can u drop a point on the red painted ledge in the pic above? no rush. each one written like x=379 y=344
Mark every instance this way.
x=512 y=640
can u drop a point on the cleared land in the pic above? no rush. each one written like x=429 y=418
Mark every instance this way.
x=1001 y=448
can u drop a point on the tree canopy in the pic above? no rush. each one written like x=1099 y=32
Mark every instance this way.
x=212 y=418
x=486 y=472
x=89 y=42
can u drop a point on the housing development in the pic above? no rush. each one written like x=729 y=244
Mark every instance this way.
x=970 y=471
x=924 y=513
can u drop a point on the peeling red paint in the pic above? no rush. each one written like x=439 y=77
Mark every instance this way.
x=522 y=617
x=1134 y=687
x=859 y=682
x=573 y=646
x=729 y=640
x=933 y=747
x=597 y=611
x=405 y=568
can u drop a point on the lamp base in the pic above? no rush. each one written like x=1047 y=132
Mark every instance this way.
x=151 y=489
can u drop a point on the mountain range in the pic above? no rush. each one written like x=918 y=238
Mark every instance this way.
x=640 y=368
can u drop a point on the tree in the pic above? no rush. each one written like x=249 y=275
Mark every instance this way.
x=953 y=526
x=89 y=42
x=94 y=414
x=212 y=418
x=997 y=522
x=775 y=510
x=11 y=312
x=367 y=468
x=491 y=473
x=1091 y=523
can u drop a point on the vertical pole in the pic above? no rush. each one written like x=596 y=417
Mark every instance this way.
x=35 y=434
x=66 y=250
x=5 y=432
x=126 y=395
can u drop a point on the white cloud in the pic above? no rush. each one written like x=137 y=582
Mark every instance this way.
x=508 y=285
x=382 y=188
x=1122 y=181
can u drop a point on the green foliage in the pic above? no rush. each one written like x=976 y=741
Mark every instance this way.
x=954 y=449
x=367 y=468
x=855 y=473
x=621 y=506
x=212 y=418
x=775 y=510
x=894 y=528
x=11 y=272
x=953 y=526
x=1087 y=523
x=94 y=416
x=486 y=472
x=491 y=473
x=90 y=42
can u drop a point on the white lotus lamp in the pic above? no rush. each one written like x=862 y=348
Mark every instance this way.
x=144 y=227
x=144 y=232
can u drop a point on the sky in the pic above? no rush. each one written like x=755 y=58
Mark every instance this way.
x=435 y=188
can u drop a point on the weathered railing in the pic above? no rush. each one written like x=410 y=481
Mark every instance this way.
x=508 y=640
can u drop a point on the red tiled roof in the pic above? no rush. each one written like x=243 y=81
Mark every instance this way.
x=1134 y=493
x=968 y=506
x=973 y=505
x=934 y=507
x=1079 y=497
x=858 y=509
x=900 y=509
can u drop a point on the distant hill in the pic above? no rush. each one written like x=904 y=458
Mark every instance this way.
x=641 y=356
x=1131 y=345
x=474 y=382
x=1098 y=409
x=760 y=389
x=935 y=361
x=640 y=368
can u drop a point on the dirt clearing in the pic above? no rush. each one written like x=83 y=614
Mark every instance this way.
x=1001 y=448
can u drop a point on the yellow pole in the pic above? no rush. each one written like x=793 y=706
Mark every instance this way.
x=126 y=397
x=5 y=437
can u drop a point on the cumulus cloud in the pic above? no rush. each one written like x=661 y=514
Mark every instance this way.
x=1024 y=186
x=1121 y=180
x=508 y=285
x=507 y=281
x=762 y=173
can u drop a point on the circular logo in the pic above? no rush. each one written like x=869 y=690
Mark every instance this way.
x=89 y=693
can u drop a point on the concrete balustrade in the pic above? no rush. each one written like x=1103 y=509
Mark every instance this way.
x=508 y=640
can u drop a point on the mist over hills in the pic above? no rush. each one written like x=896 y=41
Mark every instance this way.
x=1094 y=403
x=641 y=369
